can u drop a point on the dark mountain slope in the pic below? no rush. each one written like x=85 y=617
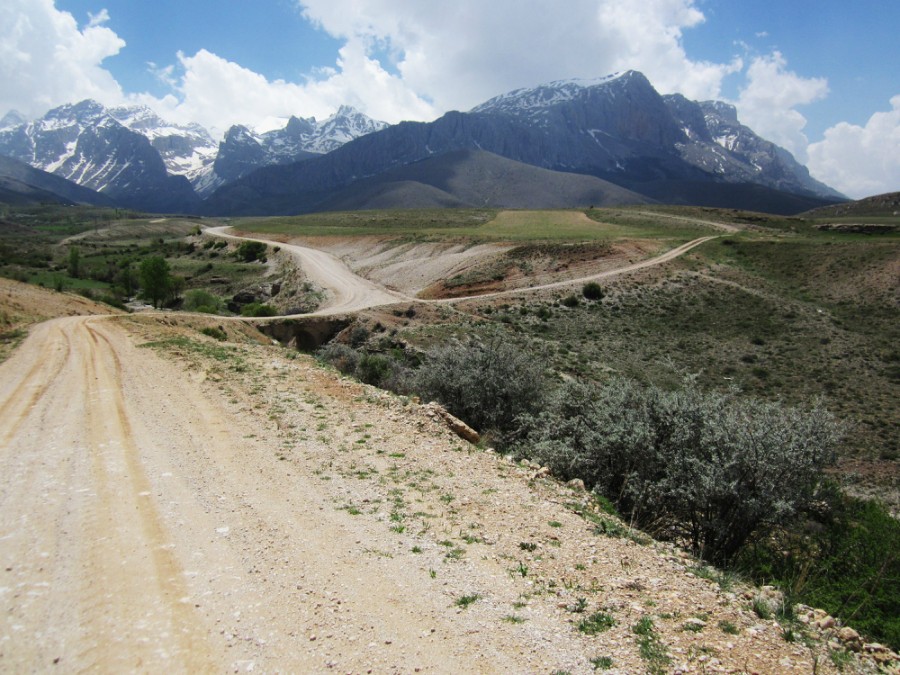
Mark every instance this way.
x=23 y=184
x=619 y=129
x=480 y=179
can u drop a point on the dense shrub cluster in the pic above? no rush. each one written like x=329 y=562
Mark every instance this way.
x=705 y=468
x=738 y=480
x=250 y=251
x=488 y=385
x=198 y=300
x=592 y=291
x=258 y=309
x=379 y=370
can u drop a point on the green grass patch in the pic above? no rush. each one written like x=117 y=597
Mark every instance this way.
x=479 y=225
x=598 y=622
x=465 y=601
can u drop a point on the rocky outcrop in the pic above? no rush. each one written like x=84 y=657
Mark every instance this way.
x=303 y=333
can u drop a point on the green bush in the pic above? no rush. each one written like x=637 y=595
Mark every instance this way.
x=592 y=291
x=487 y=385
x=341 y=356
x=250 y=251
x=374 y=369
x=258 y=309
x=387 y=371
x=213 y=332
x=705 y=468
x=198 y=300
x=571 y=301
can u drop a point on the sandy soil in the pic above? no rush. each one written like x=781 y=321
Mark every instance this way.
x=411 y=268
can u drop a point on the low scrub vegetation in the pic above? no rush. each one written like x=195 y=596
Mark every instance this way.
x=706 y=468
x=842 y=556
x=488 y=384
x=739 y=480
x=199 y=300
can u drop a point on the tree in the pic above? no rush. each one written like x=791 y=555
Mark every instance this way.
x=74 y=263
x=156 y=281
x=127 y=278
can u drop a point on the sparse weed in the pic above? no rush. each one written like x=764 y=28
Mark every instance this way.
x=579 y=606
x=602 y=662
x=597 y=622
x=465 y=600
x=651 y=649
x=728 y=627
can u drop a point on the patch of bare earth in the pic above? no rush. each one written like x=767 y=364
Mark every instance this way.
x=22 y=305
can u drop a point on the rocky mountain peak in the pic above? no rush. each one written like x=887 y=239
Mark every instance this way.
x=12 y=119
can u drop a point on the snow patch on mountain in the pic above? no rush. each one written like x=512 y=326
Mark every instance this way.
x=530 y=100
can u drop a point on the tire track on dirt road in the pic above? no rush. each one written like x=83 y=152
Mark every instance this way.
x=144 y=529
x=88 y=571
x=34 y=372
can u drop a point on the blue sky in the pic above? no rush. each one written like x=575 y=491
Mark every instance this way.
x=819 y=77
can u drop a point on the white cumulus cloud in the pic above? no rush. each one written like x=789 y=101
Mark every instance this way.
x=218 y=93
x=407 y=59
x=459 y=54
x=768 y=102
x=47 y=60
x=861 y=161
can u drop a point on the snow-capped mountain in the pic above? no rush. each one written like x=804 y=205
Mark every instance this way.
x=61 y=143
x=84 y=143
x=622 y=116
x=243 y=151
x=535 y=102
x=716 y=142
x=342 y=127
x=12 y=119
x=187 y=150
x=617 y=128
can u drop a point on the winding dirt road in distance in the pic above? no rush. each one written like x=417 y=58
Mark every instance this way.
x=348 y=292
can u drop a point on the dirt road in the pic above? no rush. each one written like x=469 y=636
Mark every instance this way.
x=347 y=292
x=569 y=283
x=239 y=510
x=144 y=528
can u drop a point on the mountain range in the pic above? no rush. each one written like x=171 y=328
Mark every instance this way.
x=607 y=141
